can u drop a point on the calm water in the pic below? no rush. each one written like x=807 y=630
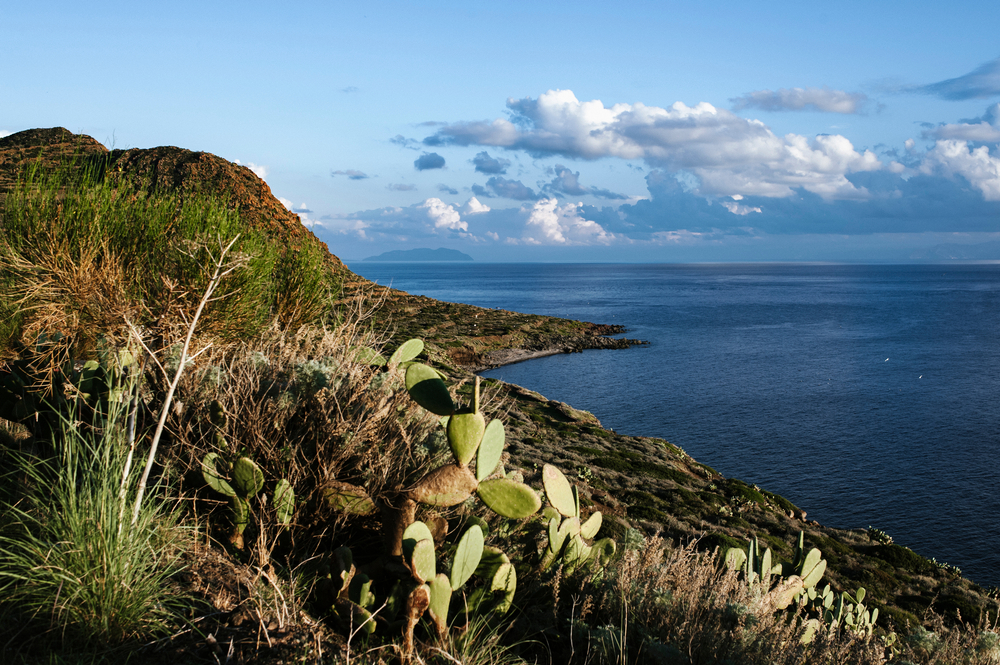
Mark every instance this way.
x=867 y=395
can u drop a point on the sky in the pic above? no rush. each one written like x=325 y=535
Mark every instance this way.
x=554 y=131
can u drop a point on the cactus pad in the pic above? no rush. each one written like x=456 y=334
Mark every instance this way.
x=465 y=431
x=590 y=528
x=490 y=450
x=248 y=479
x=284 y=501
x=558 y=490
x=241 y=512
x=428 y=390
x=210 y=472
x=446 y=486
x=423 y=563
x=467 y=556
x=407 y=351
x=347 y=498
x=440 y=600
x=508 y=498
x=413 y=534
x=366 y=355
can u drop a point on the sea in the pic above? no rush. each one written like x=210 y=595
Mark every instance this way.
x=868 y=395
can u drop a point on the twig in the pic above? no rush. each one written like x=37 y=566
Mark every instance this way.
x=212 y=284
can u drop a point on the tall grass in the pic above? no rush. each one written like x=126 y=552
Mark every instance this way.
x=72 y=566
x=80 y=252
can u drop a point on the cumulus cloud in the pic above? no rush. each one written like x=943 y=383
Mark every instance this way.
x=431 y=218
x=549 y=223
x=977 y=165
x=508 y=189
x=490 y=165
x=401 y=188
x=801 y=99
x=727 y=154
x=352 y=174
x=474 y=207
x=259 y=170
x=981 y=83
x=568 y=182
x=302 y=211
x=428 y=161
x=985 y=129
x=443 y=215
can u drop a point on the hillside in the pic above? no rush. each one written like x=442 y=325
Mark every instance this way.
x=644 y=487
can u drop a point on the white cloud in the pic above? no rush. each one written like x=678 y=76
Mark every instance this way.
x=259 y=170
x=739 y=208
x=727 y=154
x=4 y=132
x=953 y=157
x=986 y=130
x=799 y=99
x=551 y=224
x=474 y=207
x=443 y=215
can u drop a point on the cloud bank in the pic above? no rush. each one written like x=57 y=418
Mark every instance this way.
x=726 y=154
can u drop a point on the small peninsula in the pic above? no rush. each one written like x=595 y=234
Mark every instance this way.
x=422 y=254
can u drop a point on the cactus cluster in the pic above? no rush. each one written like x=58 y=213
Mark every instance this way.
x=241 y=479
x=470 y=438
x=567 y=537
x=798 y=585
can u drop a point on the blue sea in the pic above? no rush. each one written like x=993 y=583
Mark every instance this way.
x=867 y=395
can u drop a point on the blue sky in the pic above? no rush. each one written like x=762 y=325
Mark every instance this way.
x=553 y=131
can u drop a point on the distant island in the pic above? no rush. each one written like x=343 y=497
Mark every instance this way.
x=422 y=254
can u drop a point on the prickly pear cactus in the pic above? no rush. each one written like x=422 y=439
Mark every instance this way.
x=568 y=539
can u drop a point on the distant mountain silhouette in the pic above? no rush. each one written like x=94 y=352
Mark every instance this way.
x=422 y=254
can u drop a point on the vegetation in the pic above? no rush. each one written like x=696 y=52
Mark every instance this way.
x=319 y=493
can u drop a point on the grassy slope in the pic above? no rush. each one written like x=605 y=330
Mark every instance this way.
x=647 y=482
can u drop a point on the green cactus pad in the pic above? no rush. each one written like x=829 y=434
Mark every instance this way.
x=217 y=413
x=467 y=556
x=813 y=568
x=558 y=490
x=473 y=519
x=210 y=472
x=590 y=528
x=423 y=563
x=490 y=450
x=577 y=552
x=284 y=501
x=366 y=355
x=348 y=498
x=241 y=512
x=428 y=390
x=492 y=559
x=354 y=616
x=407 y=351
x=736 y=558
x=465 y=431
x=554 y=543
x=360 y=590
x=413 y=534
x=248 y=479
x=448 y=485
x=508 y=498
x=505 y=579
x=549 y=513
x=603 y=550
x=440 y=600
